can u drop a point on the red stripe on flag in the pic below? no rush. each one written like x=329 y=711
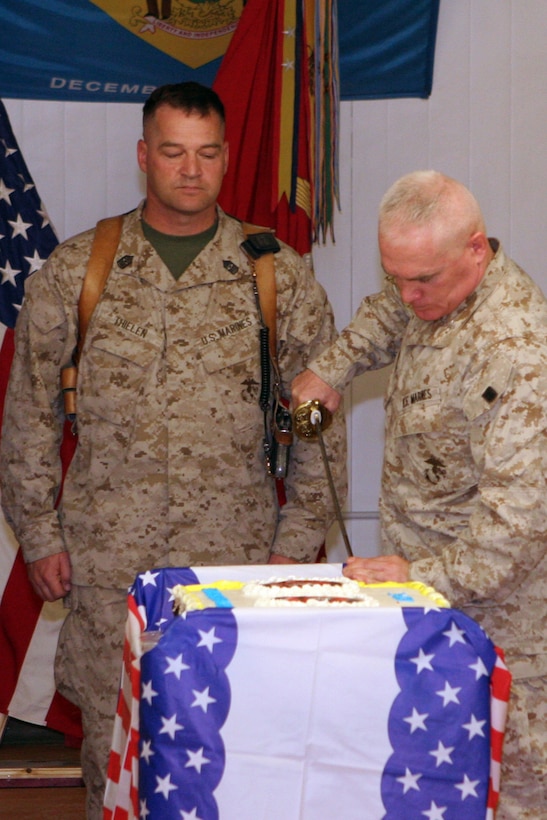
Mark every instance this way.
x=133 y=749
x=135 y=799
x=124 y=711
x=20 y=609
x=114 y=766
x=500 y=690
x=496 y=744
x=501 y=678
x=121 y=796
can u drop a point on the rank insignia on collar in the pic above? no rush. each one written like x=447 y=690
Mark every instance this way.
x=124 y=261
x=230 y=266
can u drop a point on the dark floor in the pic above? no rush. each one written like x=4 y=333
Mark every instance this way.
x=47 y=770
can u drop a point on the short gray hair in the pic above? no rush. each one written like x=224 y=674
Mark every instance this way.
x=427 y=198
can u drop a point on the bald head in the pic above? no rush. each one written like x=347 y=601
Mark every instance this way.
x=434 y=202
x=432 y=241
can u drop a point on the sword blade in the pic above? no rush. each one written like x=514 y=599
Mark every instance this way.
x=317 y=424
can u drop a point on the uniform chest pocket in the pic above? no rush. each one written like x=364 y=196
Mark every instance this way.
x=432 y=445
x=420 y=411
x=232 y=346
x=120 y=358
x=231 y=370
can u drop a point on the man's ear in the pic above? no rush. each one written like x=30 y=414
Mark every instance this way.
x=142 y=155
x=479 y=244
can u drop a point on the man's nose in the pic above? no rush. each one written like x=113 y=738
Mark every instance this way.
x=190 y=166
x=409 y=291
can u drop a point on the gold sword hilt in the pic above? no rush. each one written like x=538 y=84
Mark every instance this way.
x=311 y=418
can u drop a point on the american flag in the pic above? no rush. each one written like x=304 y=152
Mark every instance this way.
x=28 y=628
x=359 y=713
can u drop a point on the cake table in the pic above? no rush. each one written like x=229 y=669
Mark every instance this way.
x=303 y=714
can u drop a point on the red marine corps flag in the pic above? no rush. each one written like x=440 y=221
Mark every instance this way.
x=279 y=83
x=28 y=628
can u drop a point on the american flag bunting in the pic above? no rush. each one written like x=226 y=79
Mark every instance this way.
x=201 y=699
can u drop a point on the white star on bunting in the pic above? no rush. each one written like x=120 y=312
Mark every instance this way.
x=455 y=634
x=416 y=720
x=474 y=727
x=409 y=781
x=196 y=759
x=149 y=578
x=148 y=692
x=442 y=753
x=202 y=699
x=208 y=639
x=176 y=666
x=422 y=661
x=449 y=694
x=468 y=787
x=170 y=726
x=164 y=786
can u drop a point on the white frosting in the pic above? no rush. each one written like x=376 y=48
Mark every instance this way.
x=292 y=591
x=304 y=592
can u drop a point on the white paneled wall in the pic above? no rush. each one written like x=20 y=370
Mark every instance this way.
x=485 y=123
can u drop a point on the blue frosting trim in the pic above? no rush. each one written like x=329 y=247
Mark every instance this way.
x=218 y=598
x=401 y=596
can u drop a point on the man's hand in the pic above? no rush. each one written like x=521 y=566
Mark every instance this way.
x=50 y=577
x=307 y=386
x=374 y=570
x=275 y=558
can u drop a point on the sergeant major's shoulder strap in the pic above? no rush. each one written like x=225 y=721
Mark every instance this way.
x=103 y=249
x=105 y=242
x=260 y=245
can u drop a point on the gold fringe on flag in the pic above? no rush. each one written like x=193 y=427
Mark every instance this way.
x=311 y=26
x=279 y=83
x=326 y=107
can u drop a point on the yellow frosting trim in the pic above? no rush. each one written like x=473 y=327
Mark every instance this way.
x=192 y=590
x=425 y=590
x=217 y=585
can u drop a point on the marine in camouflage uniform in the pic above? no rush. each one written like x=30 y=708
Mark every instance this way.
x=169 y=468
x=463 y=495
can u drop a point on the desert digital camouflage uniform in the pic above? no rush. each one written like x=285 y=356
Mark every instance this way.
x=169 y=468
x=464 y=494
